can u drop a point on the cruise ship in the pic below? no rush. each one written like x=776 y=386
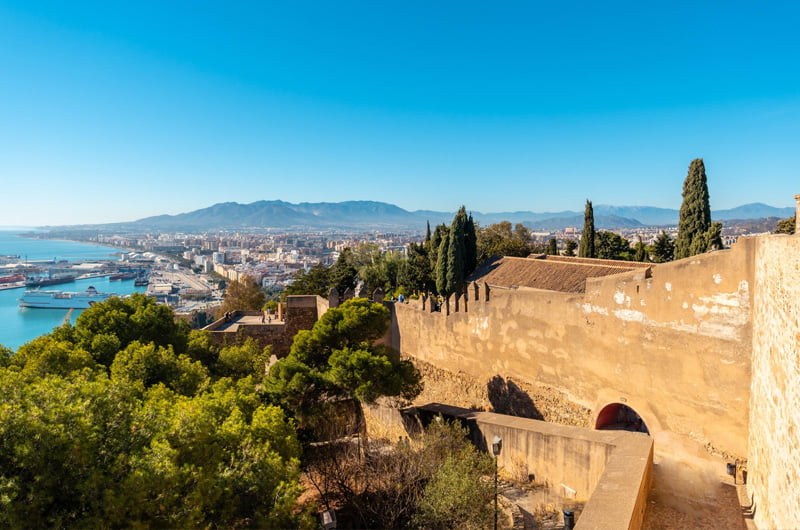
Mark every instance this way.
x=62 y=299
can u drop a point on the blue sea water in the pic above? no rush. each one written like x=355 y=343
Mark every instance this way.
x=20 y=325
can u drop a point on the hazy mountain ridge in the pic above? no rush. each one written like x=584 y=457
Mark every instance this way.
x=381 y=215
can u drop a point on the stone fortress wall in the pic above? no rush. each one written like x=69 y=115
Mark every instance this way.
x=682 y=344
x=774 y=435
x=704 y=349
x=298 y=313
x=674 y=346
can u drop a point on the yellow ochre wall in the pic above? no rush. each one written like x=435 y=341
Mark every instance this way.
x=675 y=346
x=774 y=460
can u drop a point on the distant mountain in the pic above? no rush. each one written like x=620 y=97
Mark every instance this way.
x=600 y=221
x=651 y=216
x=367 y=215
x=647 y=215
x=755 y=210
x=279 y=214
x=749 y=226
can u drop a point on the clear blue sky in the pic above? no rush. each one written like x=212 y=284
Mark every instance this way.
x=113 y=111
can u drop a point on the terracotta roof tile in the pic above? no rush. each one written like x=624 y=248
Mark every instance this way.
x=552 y=273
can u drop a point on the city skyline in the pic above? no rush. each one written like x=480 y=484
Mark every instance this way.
x=120 y=113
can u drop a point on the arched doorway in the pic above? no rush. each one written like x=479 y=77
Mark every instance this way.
x=620 y=417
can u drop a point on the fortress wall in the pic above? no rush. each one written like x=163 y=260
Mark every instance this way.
x=610 y=469
x=302 y=312
x=675 y=347
x=774 y=458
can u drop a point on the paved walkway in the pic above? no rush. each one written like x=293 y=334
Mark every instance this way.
x=247 y=320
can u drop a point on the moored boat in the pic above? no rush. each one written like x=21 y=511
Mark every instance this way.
x=12 y=278
x=122 y=276
x=62 y=299
x=34 y=281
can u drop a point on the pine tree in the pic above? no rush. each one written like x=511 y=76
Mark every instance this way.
x=695 y=216
x=586 y=249
x=664 y=248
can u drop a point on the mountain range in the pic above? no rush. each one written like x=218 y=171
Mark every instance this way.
x=372 y=215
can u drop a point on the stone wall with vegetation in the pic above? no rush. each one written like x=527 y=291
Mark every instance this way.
x=497 y=394
x=674 y=346
x=301 y=313
x=774 y=458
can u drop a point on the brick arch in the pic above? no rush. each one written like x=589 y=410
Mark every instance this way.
x=620 y=417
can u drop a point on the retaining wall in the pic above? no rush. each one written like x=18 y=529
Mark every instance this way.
x=612 y=469
x=774 y=459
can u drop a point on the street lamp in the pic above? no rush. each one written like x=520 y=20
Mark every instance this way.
x=328 y=520
x=497 y=446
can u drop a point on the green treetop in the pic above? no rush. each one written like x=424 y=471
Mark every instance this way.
x=663 y=250
x=244 y=294
x=640 y=251
x=695 y=215
x=456 y=253
x=609 y=245
x=786 y=226
x=470 y=246
x=441 y=265
x=344 y=273
x=586 y=249
x=569 y=247
x=337 y=359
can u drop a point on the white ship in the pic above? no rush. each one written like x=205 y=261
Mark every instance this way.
x=62 y=299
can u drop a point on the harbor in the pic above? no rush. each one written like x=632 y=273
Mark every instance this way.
x=76 y=267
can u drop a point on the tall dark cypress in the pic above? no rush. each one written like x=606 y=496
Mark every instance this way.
x=470 y=246
x=456 y=254
x=552 y=247
x=441 y=266
x=640 y=251
x=427 y=233
x=439 y=233
x=695 y=217
x=586 y=250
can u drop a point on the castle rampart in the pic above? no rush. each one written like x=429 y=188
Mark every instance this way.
x=672 y=342
x=774 y=458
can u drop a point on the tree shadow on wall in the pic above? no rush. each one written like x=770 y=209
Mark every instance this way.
x=508 y=398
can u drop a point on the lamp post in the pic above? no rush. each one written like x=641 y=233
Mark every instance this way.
x=328 y=520
x=497 y=446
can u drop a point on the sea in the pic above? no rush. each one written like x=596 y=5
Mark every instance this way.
x=19 y=325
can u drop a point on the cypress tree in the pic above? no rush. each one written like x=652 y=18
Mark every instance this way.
x=456 y=254
x=552 y=247
x=441 y=266
x=427 y=233
x=695 y=217
x=640 y=251
x=586 y=250
x=470 y=246
x=715 y=236
x=439 y=233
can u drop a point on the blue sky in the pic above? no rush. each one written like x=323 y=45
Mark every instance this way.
x=116 y=112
